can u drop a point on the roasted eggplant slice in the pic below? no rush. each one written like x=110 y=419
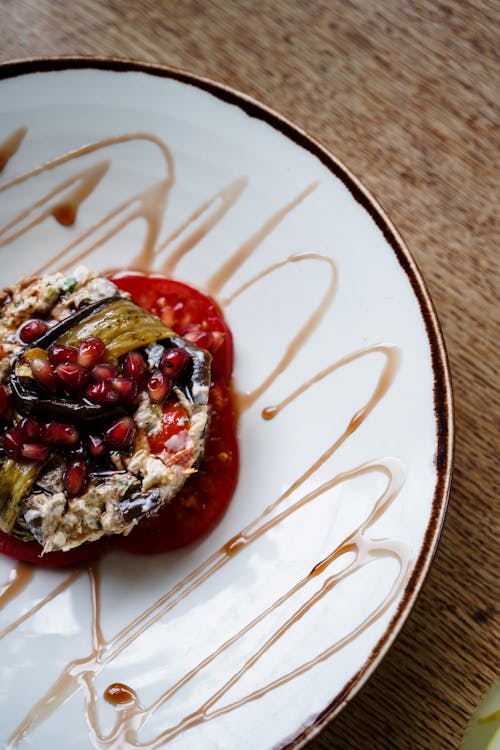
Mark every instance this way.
x=118 y=441
x=16 y=480
x=123 y=326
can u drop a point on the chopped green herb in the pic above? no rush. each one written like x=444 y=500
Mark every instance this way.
x=69 y=285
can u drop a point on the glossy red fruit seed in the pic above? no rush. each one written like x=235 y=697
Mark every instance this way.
x=102 y=393
x=30 y=430
x=12 y=443
x=173 y=362
x=32 y=330
x=134 y=366
x=158 y=386
x=61 y=355
x=120 y=435
x=91 y=351
x=44 y=372
x=209 y=340
x=96 y=445
x=75 y=476
x=34 y=451
x=73 y=375
x=4 y=401
x=58 y=433
x=125 y=387
x=103 y=372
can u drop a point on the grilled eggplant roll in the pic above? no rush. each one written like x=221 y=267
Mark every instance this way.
x=104 y=410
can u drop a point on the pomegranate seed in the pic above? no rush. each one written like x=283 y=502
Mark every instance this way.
x=102 y=393
x=75 y=476
x=57 y=433
x=43 y=372
x=96 y=445
x=32 y=330
x=61 y=355
x=173 y=362
x=158 y=386
x=103 y=372
x=73 y=375
x=209 y=340
x=91 y=351
x=4 y=401
x=120 y=435
x=196 y=335
x=134 y=366
x=34 y=451
x=30 y=430
x=125 y=387
x=12 y=443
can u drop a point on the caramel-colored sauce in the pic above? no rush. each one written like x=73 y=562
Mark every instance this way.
x=119 y=694
x=20 y=576
x=62 y=203
x=11 y=144
x=245 y=400
x=213 y=210
x=19 y=587
x=224 y=273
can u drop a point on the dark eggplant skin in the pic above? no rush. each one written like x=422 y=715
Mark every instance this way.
x=59 y=329
x=139 y=504
x=31 y=399
x=200 y=375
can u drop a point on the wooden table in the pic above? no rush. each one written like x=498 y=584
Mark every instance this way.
x=404 y=93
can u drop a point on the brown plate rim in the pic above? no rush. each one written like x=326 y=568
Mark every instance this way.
x=443 y=401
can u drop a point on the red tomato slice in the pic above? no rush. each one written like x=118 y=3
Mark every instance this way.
x=31 y=552
x=188 y=312
x=206 y=494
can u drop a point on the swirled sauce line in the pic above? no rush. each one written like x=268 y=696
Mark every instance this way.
x=132 y=716
x=366 y=551
x=149 y=205
x=64 y=212
x=20 y=576
x=151 y=202
x=245 y=400
x=65 y=584
x=90 y=148
x=213 y=210
x=10 y=145
x=224 y=273
x=265 y=521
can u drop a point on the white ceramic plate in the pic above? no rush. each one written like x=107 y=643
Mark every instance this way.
x=257 y=647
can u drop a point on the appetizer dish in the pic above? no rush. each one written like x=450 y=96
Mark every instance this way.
x=109 y=403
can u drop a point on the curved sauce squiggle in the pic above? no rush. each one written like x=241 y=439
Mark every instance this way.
x=20 y=577
x=10 y=145
x=80 y=674
x=245 y=400
x=151 y=202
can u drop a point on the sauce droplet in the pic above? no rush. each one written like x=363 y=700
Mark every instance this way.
x=269 y=412
x=117 y=694
x=64 y=213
